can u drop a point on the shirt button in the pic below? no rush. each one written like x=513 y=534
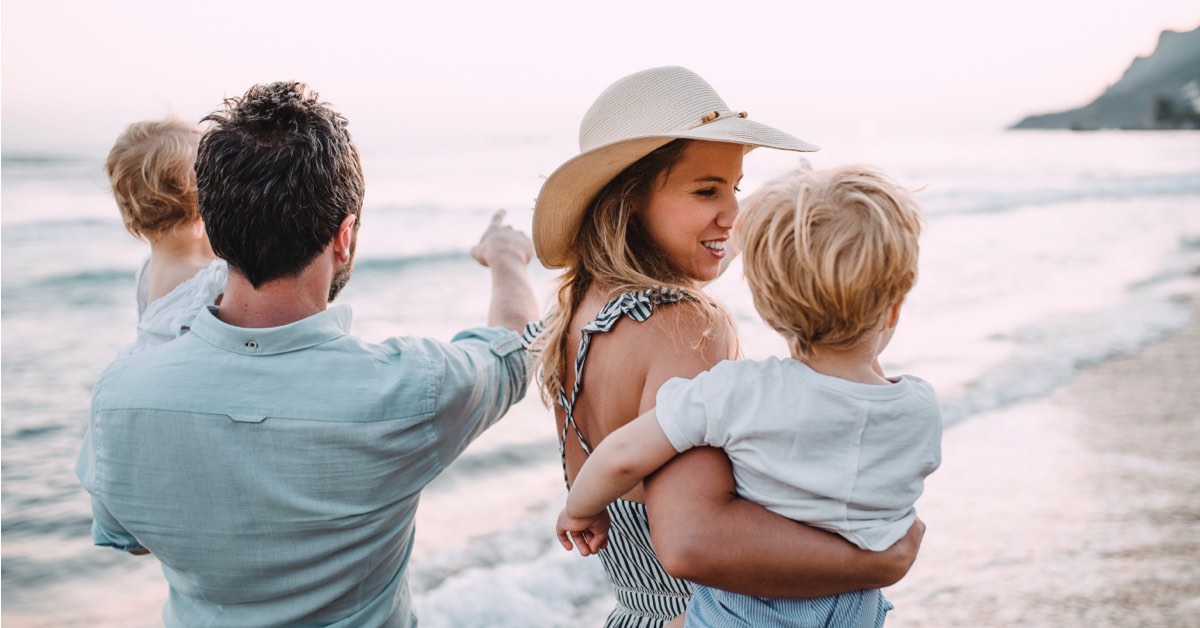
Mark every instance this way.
x=251 y=344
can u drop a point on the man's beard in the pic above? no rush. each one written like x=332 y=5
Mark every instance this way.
x=339 y=280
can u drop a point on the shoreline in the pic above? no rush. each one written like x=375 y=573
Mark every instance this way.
x=1078 y=509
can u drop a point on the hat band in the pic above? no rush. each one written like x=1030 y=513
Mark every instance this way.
x=713 y=116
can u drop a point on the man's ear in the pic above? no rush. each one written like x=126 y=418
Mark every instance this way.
x=343 y=241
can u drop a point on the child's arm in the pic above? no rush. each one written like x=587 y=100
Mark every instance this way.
x=617 y=465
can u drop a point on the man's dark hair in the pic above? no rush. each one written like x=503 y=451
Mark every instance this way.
x=276 y=174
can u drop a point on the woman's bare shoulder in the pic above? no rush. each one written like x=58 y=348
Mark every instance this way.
x=678 y=340
x=689 y=327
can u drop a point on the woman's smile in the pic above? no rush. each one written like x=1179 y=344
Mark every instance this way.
x=715 y=247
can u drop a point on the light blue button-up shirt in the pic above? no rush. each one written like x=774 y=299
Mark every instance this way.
x=275 y=472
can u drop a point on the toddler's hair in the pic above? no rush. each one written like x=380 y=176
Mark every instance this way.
x=151 y=169
x=827 y=253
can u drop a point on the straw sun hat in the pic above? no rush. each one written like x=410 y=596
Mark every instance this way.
x=632 y=118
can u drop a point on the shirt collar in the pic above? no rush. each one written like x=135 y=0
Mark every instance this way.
x=317 y=329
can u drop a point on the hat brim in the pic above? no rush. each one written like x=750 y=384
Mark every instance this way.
x=567 y=192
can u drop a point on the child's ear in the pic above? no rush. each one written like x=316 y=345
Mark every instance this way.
x=894 y=315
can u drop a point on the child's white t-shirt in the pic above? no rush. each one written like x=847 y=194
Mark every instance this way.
x=843 y=456
x=169 y=316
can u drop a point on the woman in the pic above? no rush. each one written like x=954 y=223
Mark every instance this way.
x=640 y=221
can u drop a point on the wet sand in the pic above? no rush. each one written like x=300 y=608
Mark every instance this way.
x=1080 y=509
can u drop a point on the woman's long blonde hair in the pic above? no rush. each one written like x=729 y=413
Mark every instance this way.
x=612 y=250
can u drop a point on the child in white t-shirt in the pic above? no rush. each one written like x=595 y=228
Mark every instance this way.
x=821 y=437
x=151 y=169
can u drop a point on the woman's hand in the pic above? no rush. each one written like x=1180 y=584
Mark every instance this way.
x=899 y=558
x=591 y=532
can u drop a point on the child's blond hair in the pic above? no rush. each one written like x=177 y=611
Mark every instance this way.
x=151 y=168
x=827 y=253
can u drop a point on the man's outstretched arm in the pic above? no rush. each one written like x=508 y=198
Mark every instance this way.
x=507 y=252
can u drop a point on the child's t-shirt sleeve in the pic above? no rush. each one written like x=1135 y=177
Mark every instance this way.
x=695 y=412
x=681 y=412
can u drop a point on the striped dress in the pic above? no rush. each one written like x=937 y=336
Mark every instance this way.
x=647 y=596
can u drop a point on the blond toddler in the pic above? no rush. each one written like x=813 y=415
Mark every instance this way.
x=151 y=169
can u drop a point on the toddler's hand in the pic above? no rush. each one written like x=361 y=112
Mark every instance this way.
x=591 y=532
x=501 y=240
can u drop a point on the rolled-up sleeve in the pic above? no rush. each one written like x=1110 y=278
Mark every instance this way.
x=484 y=372
x=106 y=530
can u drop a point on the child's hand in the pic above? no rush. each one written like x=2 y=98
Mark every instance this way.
x=591 y=533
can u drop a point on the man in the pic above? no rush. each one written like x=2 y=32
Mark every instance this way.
x=271 y=461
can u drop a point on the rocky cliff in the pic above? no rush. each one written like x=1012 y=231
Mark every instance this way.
x=1161 y=91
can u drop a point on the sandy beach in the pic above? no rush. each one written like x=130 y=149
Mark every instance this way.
x=1079 y=509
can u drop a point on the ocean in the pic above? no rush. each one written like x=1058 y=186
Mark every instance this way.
x=1044 y=253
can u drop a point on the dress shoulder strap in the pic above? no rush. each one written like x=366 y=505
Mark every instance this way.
x=637 y=305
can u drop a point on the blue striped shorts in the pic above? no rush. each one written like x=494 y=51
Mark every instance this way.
x=714 y=608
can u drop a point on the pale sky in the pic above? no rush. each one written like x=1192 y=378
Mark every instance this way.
x=76 y=72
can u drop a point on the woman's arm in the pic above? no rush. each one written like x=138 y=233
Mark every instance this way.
x=703 y=532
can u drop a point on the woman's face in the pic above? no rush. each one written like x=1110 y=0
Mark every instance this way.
x=691 y=207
